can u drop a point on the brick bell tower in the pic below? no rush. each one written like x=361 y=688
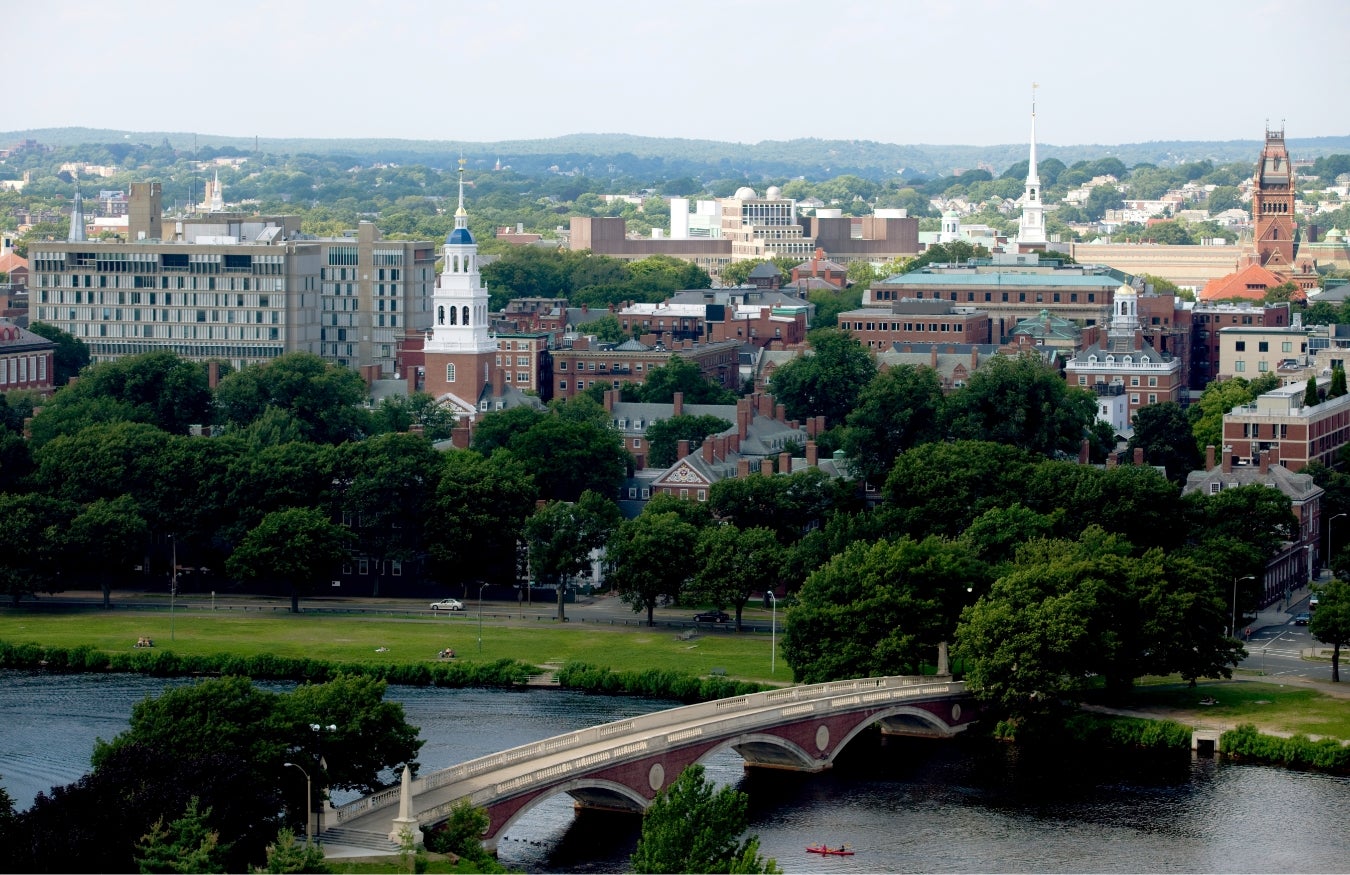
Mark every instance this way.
x=1273 y=206
x=461 y=353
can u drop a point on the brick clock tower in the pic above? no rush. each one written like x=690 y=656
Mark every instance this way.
x=460 y=353
x=1273 y=206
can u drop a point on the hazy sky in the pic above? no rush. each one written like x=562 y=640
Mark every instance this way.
x=957 y=72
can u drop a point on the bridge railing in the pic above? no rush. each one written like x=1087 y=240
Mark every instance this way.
x=644 y=723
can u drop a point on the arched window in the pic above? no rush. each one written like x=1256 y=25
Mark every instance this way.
x=466 y=315
x=450 y=372
x=1127 y=360
x=453 y=311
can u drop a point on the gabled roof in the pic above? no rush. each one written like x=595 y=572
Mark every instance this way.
x=1298 y=486
x=765 y=269
x=1248 y=284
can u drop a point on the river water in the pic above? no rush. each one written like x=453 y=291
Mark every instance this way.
x=901 y=805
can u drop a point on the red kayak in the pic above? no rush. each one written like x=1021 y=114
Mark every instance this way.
x=826 y=850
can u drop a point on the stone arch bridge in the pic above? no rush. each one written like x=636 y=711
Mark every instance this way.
x=622 y=765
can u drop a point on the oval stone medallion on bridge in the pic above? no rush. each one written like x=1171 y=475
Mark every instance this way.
x=822 y=737
x=656 y=777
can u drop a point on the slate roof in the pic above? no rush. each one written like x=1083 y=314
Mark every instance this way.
x=1298 y=486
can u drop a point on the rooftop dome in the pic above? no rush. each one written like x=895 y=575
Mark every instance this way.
x=458 y=237
x=773 y=193
x=745 y=192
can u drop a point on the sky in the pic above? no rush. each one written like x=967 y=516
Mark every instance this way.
x=894 y=71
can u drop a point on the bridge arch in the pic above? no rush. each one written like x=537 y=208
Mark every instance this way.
x=588 y=792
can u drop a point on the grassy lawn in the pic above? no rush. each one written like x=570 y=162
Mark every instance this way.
x=1272 y=707
x=408 y=640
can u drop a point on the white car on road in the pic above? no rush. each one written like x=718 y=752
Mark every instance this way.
x=447 y=605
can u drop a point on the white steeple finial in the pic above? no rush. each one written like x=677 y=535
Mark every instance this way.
x=461 y=215
x=1033 y=178
x=217 y=195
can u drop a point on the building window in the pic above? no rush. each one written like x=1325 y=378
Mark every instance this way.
x=1286 y=346
x=637 y=443
x=1153 y=381
x=1263 y=366
x=363 y=568
x=1240 y=345
x=450 y=372
x=1152 y=398
x=1134 y=381
x=1134 y=399
x=703 y=495
x=1239 y=366
x=1262 y=346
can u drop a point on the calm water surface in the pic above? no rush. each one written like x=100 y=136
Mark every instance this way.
x=906 y=806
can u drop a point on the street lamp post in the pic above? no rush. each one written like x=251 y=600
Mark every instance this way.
x=773 y=632
x=319 y=730
x=309 y=803
x=173 y=583
x=1232 y=629
x=480 y=619
x=1326 y=560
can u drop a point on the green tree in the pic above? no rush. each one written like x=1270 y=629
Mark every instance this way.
x=1223 y=197
x=383 y=485
x=1219 y=397
x=939 y=488
x=298 y=547
x=1310 y=398
x=495 y=430
x=401 y=413
x=1337 y=388
x=693 y=827
x=827 y=380
x=32 y=543
x=1331 y=621
x=187 y=844
x=649 y=558
x=879 y=609
x=664 y=436
x=1023 y=402
x=104 y=539
x=325 y=399
x=900 y=408
x=477 y=516
x=570 y=456
x=733 y=564
x=788 y=505
x=1165 y=435
x=286 y=855
x=562 y=535
x=158 y=388
x=71 y=354
x=682 y=375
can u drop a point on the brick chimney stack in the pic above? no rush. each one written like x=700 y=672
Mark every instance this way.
x=1209 y=458
x=1227 y=460
x=1139 y=455
x=677 y=404
x=784 y=463
x=1084 y=456
x=682 y=448
x=742 y=467
x=766 y=467
x=812 y=454
x=1264 y=461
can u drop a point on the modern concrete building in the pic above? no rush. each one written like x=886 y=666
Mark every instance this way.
x=1254 y=352
x=1208 y=320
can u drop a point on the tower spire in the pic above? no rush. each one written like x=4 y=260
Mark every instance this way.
x=77 y=234
x=461 y=214
x=1031 y=228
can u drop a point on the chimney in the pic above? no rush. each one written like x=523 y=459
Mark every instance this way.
x=780 y=412
x=1228 y=460
x=1264 y=461
x=974 y=358
x=1111 y=459
x=932 y=355
x=742 y=467
x=609 y=400
x=682 y=448
x=1139 y=455
x=1084 y=456
x=766 y=467
x=1274 y=454
x=812 y=454
x=784 y=463
x=498 y=382
x=820 y=424
x=709 y=450
x=734 y=443
x=742 y=417
x=678 y=403
x=213 y=374
x=810 y=426
x=1209 y=458
x=720 y=447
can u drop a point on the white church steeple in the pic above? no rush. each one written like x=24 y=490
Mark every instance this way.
x=459 y=307
x=1031 y=228
x=77 y=233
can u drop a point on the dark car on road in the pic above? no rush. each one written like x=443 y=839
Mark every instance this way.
x=1303 y=619
x=712 y=617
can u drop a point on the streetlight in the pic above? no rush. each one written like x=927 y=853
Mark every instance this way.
x=773 y=631
x=1232 y=629
x=309 y=802
x=1327 y=559
x=480 y=619
x=318 y=731
x=173 y=583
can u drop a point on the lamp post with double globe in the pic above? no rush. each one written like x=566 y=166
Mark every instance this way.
x=309 y=803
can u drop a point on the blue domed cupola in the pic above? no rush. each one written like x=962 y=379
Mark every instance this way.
x=460 y=304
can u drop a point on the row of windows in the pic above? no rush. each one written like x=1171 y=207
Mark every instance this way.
x=1134 y=381
x=939 y=327
x=1264 y=346
x=185 y=299
x=604 y=366
x=209 y=284
x=1253 y=430
x=1240 y=366
x=1003 y=296
x=167 y=332
x=105 y=350
x=17 y=368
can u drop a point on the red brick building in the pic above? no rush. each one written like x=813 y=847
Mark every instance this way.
x=913 y=321
x=25 y=360
x=583 y=365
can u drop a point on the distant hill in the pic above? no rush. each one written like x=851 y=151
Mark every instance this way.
x=611 y=155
